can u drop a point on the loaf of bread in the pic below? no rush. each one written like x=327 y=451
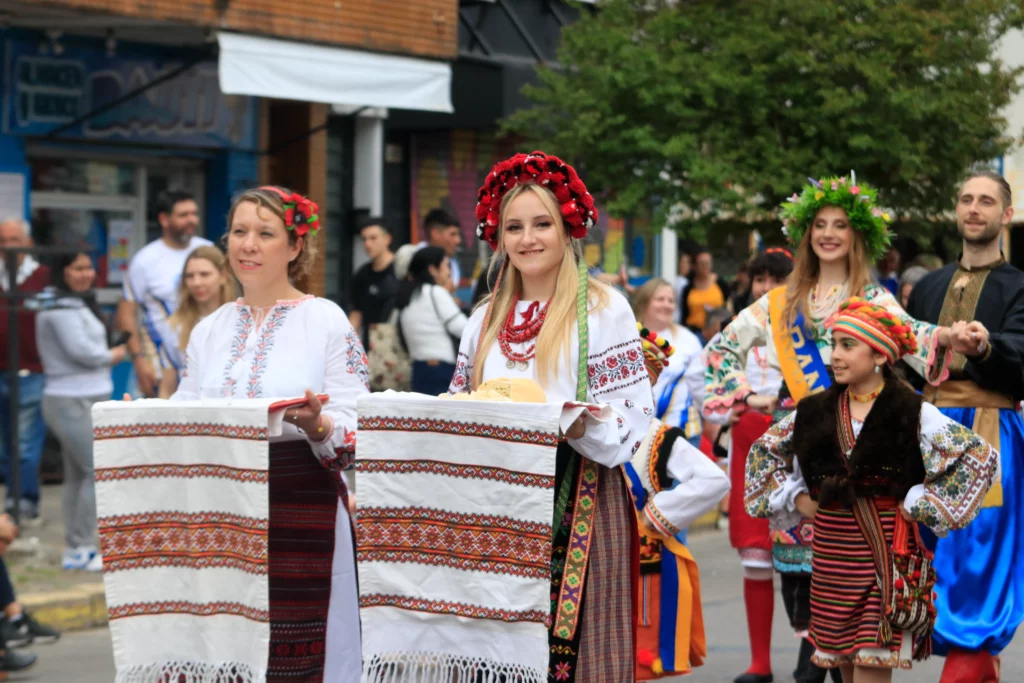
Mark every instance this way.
x=517 y=390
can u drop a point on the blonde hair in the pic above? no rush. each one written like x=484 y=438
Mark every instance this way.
x=302 y=265
x=555 y=338
x=807 y=269
x=647 y=291
x=187 y=314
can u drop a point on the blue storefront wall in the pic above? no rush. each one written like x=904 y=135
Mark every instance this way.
x=184 y=117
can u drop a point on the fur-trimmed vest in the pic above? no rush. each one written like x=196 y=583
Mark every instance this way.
x=886 y=460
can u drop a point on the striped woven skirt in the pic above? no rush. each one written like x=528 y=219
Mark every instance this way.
x=603 y=648
x=303 y=513
x=846 y=603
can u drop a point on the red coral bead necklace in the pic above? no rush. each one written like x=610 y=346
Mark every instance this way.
x=523 y=333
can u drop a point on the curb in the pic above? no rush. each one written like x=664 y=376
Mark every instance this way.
x=74 y=609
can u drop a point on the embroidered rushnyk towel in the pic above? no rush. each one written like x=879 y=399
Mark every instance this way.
x=181 y=494
x=455 y=501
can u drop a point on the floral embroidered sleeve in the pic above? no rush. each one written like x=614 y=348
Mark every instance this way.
x=346 y=377
x=618 y=378
x=725 y=378
x=767 y=467
x=462 y=379
x=931 y=360
x=959 y=466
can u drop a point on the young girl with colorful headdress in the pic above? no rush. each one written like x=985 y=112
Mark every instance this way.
x=673 y=484
x=866 y=460
x=546 y=320
x=839 y=229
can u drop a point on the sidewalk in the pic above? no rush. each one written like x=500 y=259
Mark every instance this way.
x=63 y=599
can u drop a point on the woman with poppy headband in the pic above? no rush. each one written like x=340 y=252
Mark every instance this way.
x=277 y=342
x=546 y=320
x=865 y=461
x=839 y=230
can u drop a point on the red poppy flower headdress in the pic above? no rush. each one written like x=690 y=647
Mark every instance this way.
x=300 y=213
x=577 y=205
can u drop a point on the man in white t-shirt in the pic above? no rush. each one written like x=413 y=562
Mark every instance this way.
x=152 y=283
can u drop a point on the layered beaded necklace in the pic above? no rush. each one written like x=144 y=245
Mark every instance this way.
x=523 y=333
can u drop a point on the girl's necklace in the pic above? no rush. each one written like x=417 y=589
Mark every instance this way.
x=866 y=398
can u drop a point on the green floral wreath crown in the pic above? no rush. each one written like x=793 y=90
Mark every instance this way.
x=858 y=201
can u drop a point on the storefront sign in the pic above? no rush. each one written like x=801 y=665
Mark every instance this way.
x=42 y=92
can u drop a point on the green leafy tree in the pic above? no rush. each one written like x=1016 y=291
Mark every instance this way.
x=719 y=108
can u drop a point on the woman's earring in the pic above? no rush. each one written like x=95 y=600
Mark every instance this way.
x=878 y=369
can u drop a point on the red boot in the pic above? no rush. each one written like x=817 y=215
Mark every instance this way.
x=969 y=666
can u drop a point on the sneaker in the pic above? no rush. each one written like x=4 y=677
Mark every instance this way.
x=95 y=564
x=29 y=514
x=16 y=661
x=24 y=629
x=77 y=558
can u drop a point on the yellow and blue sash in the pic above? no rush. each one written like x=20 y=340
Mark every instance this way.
x=799 y=359
x=681 y=640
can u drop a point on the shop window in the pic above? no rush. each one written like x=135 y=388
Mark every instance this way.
x=81 y=176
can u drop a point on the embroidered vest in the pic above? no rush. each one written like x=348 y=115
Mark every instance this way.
x=886 y=460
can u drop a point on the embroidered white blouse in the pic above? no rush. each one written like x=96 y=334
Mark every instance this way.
x=299 y=344
x=617 y=378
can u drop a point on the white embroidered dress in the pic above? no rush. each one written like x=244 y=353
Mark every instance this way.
x=296 y=345
x=617 y=378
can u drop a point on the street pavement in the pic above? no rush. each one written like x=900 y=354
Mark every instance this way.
x=86 y=657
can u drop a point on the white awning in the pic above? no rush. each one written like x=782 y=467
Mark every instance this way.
x=264 y=67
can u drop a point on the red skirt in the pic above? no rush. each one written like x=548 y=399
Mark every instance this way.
x=745 y=531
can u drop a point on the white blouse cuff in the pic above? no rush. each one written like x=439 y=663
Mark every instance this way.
x=784 y=498
x=915 y=494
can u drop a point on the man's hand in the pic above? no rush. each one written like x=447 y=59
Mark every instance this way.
x=969 y=339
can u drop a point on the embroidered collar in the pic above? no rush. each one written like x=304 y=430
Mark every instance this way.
x=977 y=269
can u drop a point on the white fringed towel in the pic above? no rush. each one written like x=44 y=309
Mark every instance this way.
x=181 y=494
x=455 y=504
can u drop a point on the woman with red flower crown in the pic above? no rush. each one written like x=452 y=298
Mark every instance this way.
x=546 y=320
x=277 y=342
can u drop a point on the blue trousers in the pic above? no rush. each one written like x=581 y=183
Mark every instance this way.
x=31 y=432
